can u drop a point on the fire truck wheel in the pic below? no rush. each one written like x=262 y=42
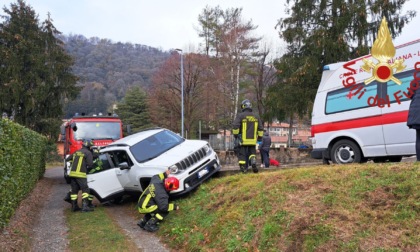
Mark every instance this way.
x=346 y=152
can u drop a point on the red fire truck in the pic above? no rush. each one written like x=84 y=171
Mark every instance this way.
x=103 y=130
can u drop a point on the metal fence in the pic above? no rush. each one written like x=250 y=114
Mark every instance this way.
x=225 y=143
x=220 y=142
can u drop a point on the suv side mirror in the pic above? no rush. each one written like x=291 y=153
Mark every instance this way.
x=124 y=166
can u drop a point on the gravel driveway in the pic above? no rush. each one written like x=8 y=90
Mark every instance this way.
x=50 y=231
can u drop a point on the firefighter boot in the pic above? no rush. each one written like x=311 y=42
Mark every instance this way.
x=85 y=206
x=90 y=205
x=143 y=221
x=90 y=199
x=243 y=168
x=74 y=206
x=152 y=225
x=254 y=165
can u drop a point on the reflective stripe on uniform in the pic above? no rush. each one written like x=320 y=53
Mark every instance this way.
x=146 y=200
x=144 y=208
x=249 y=130
x=77 y=173
x=161 y=176
x=171 y=207
x=148 y=210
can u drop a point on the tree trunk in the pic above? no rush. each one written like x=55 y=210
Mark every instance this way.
x=289 y=140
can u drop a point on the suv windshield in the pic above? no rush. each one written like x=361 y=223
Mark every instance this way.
x=97 y=130
x=155 y=145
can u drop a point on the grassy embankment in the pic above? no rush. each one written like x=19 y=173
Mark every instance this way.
x=366 y=207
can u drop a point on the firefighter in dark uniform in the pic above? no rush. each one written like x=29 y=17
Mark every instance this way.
x=97 y=167
x=154 y=201
x=247 y=130
x=82 y=160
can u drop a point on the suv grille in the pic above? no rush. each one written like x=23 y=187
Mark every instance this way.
x=191 y=159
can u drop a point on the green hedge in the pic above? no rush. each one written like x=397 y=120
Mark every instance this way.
x=22 y=164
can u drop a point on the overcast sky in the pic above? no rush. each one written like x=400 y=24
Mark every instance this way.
x=166 y=24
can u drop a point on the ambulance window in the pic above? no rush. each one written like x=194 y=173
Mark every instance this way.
x=395 y=90
x=344 y=99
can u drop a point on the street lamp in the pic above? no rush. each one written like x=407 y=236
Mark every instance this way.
x=182 y=93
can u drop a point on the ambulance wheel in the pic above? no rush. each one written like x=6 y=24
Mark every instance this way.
x=346 y=152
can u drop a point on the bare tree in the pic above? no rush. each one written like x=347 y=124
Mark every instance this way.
x=230 y=37
x=199 y=93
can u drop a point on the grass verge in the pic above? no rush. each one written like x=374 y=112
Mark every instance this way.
x=364 y=207
x=96 y=231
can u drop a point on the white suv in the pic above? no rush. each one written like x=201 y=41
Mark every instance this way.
x=129 y=163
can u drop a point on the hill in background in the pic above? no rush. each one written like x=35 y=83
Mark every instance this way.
x=107 y=70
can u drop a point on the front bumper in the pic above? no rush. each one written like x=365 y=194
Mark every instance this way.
x=194 y=180
x=320 y=153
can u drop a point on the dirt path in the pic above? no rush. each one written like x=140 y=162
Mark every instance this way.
x=144 y=240
x=50 y=230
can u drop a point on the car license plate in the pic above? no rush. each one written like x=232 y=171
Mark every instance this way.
x=203 y=172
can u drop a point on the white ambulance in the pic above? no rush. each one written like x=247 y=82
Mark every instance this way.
x=361 y=107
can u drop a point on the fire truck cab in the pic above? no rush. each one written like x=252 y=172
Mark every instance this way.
x=103 y=130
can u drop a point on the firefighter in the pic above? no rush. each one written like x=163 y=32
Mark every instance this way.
x=97 y=166
x=82 y=160
x=154 y=201
x=248 y=129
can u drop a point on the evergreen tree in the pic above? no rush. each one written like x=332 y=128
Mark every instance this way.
x=35 y=77
x=133 y=110
x=321 y=32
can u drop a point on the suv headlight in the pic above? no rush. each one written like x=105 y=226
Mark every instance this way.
x=174 y=169
x=207 y=148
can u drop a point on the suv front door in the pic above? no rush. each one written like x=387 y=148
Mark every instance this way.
x=105 y=182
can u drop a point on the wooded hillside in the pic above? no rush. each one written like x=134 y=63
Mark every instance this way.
x=107 y=70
